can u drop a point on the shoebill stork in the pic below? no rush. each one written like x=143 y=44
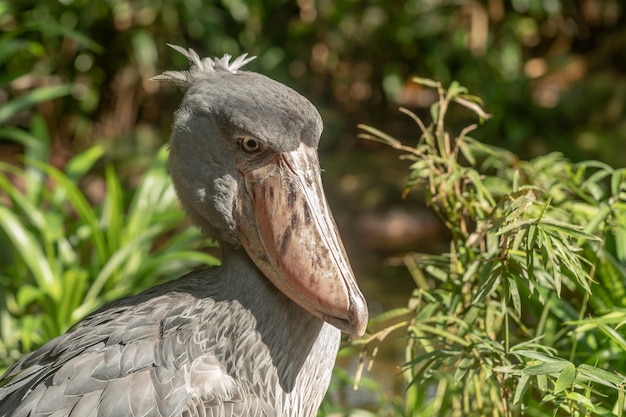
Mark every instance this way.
x=256 y=336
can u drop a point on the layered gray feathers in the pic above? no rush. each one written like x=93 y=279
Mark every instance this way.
x=188 y=348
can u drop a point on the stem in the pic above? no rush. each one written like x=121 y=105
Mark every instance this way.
x=581 y=314
x=506 y=332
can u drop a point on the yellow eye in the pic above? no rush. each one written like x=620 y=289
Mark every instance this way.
x=249 y=145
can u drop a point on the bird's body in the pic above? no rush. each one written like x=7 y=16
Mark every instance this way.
x=198 y=346
x=256 y=336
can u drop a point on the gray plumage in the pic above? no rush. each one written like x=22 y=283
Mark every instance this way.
x=223 y=341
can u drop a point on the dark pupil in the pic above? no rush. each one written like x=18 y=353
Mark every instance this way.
x=250 y=144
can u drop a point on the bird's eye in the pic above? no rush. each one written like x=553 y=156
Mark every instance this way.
x=250 y=145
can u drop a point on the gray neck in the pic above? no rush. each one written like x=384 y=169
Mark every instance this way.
x=300 y=347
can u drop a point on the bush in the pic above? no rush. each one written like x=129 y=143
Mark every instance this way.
x=64 y=254
x=522 y=315
x=66 y=251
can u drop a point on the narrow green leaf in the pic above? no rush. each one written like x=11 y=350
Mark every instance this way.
x=533 y=354
x=81 y=163
x=594 y=225
x=488 y=284
x=472 y=105
x=514 y=294
x=75 y=282
x=548 y=368
x=586 y=402
x=392 y=314
x=32 y=98
x=30 y=251
x=28 y=140
x=450 y=337
x=467 y=153
x=83 y=208
x=617 y=181
x=55 y=28
x=462 y=368
x=434 y=111
x=522 y=387
x=35 y=177
x=614 y=335
x=455 y=89
x=426 y=82
x=154 y=194
x=542 y=382
x=567 y=229
x=483 y=192
x=112 y=216
x=379 y=136
x=601 y=376
x=565 y=379
x=515 y=225
x=26 y=295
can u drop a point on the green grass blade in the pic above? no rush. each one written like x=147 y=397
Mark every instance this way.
x=112 y=217
x=30 y=251
x=32 y=98
x=83 y=208
x=81 y=163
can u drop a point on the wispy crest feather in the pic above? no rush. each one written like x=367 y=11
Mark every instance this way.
x=201 y=67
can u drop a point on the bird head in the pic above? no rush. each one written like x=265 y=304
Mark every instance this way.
x=243 y=159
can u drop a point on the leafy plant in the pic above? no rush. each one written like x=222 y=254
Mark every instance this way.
x=65 y=255
x=64 y=251
x=523 y=314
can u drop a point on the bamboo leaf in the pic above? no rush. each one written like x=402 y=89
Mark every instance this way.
x=522 y=387
x=394 y=314
x=515 y=225
x=488 y=284
x=379 y=136
x=601 y=376
x=532 y=354
x=565 y=379
x=613 y=335
x=514 y=294
x=473 y=106
x=567 y=229
x=455 y=89
x=426 y=82
x=586 y=402
x=548 y=368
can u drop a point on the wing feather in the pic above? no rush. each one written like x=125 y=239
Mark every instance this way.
x=142 y=395
x=87 y=405
x=149 y=356
x=81 y=382
x=53 y=399
x=137 y=355
x=115 y=399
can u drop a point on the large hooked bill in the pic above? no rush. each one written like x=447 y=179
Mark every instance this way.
x=289 y=232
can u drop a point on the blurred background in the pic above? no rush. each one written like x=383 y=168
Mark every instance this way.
x=551 y=72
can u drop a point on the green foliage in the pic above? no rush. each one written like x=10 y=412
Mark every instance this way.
x=523 y=314
x=71 y=239
x=64 y=254
x=528 y=58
